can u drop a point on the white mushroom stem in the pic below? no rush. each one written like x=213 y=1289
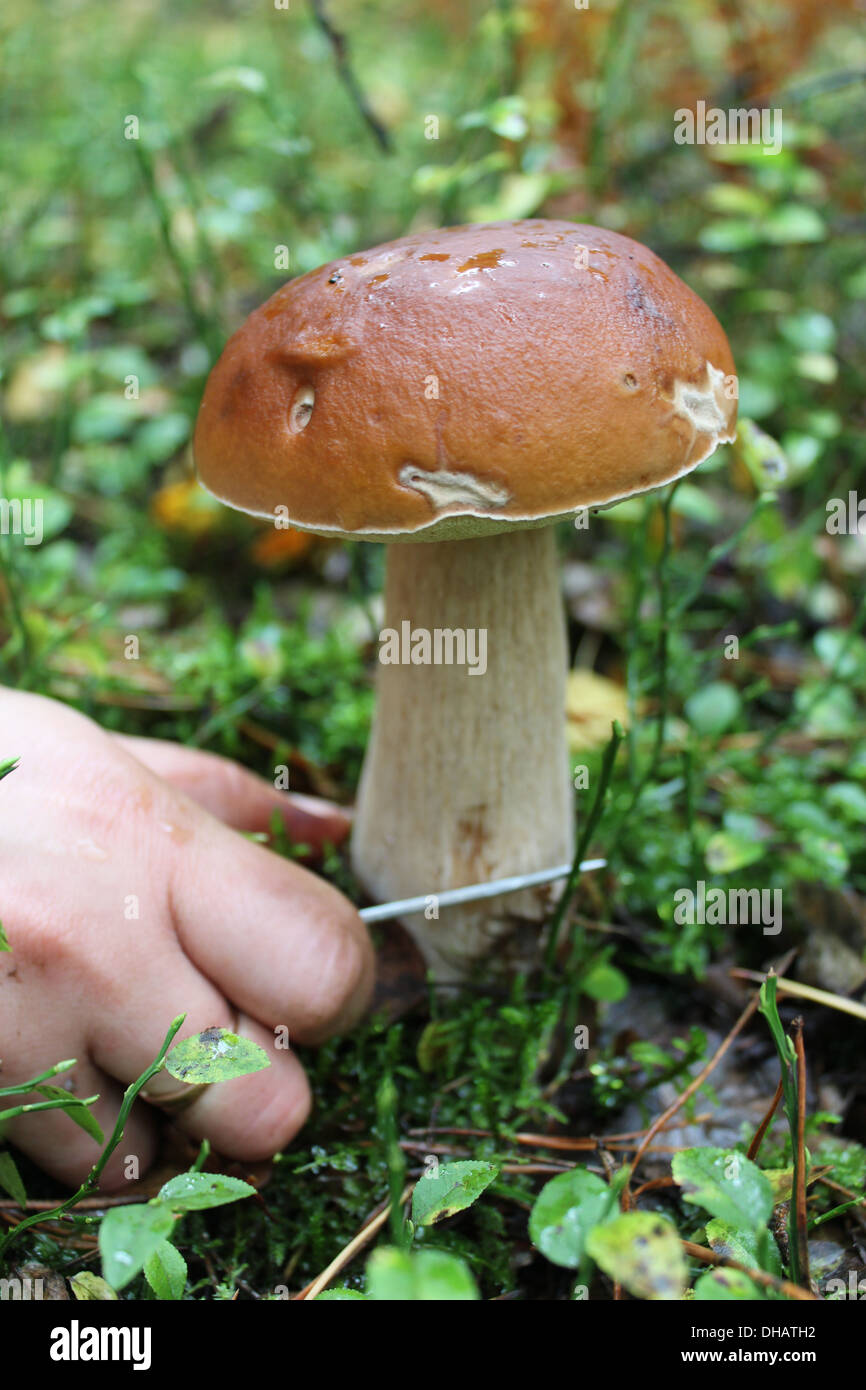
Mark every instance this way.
x=466 y=775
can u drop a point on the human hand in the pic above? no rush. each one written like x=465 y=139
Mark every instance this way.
x=96 y=827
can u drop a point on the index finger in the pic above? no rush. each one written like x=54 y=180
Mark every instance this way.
x=237 y=796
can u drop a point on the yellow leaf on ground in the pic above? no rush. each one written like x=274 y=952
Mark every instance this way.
x=592 y=702
x=185 y=506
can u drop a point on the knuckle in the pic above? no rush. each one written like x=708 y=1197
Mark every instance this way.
x=235 y=779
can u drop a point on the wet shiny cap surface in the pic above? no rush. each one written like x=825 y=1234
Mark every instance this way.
x=462 y=381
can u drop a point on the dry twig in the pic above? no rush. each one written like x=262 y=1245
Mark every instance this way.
x=759 y=1276
x=799 y=1194
x=349 y=1251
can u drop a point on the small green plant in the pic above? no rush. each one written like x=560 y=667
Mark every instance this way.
x=139 y=1236
x=136 y=1237
x=584 y=1222
x=55 y=1098
x=634 y=1075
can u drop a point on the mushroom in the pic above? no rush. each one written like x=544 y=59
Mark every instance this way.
x=464 y=389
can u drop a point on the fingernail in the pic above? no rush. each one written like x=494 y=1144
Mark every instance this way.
x=318 y=808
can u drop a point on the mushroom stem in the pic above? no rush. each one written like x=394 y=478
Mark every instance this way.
x=466 y=774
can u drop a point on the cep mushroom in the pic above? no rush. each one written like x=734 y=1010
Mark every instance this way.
x=464 y=389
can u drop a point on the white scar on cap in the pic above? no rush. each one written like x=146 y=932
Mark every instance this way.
x=449 y=492
x=703 y=407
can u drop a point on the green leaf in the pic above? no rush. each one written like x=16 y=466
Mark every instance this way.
x=161 y=437
x=802 y=452
x=214 y=1055
x=642 y=1251
x=128 y=1235
x=723 y=1284
x=770 y=1009
x=56 y=510
x=604 y=982
x=4 y=941
x=506 y=118
x=850 y=800
x=199 y=1191
x=237 y=79
x=453 y=1188
x=848 y=1160
x=340 y=1296
x=724 y=852
x=734 y=198
x=76 y=1110
x=730 y=234
x=781 y=1182
x=817 y=366
x=726 y=1184
x=87 y=1287
x=758 y=399
x=565 y=1211
x=763 y=456
x=697 y=505
x=518 y=195
x=713 y=709
x=793 y=223
x=6 y=766
x=744 y=1246
x=165 y=1271
x=10 y=1178
x=425 y=1276
x=104 y=417
x=72 y=319
x=435 y=1045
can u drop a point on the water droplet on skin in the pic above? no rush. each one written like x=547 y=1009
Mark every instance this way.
x=180 y=833
x=87 y=849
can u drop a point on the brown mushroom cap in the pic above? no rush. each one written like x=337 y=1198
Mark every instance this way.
x=463 y=381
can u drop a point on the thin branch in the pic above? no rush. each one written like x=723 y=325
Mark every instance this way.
x=689 y=1091
x=696 y=1084
x=759 y=1276
x=800 y=1215
x=816 y=996
x=349 y=1251
x=765 y=1124
x=595 y=814
x=340 y=51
